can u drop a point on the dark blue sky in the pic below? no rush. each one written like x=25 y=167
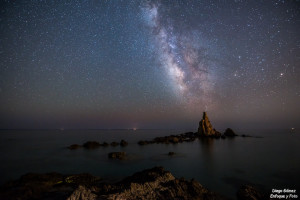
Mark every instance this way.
x=149 y=64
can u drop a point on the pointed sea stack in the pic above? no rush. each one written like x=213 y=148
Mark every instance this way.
x=205 y=127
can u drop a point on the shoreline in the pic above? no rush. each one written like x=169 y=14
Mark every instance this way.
x=153 y=183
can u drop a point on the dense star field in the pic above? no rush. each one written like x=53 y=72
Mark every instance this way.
x=149 y=64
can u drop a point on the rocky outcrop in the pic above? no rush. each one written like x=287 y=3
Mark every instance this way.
x=114 y=144
x=105 y=144
x=143 y=142
x=95 y=144
x=45 y=186
x=83 y=193
x=229 y=133
x=171 y=139
x=117 y=155
x=91 y=145
x=74 y=146
x=205 y=127
x=123 y=143
x=155 y=183
x=248 y=192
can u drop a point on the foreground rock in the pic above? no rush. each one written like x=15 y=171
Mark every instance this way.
x=45 y=186
x=248 y=192
x=155 y=183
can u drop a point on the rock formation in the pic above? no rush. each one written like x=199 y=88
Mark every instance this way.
x=229 y=133
x=91 y=145
x=205 y=127
x=155 y=183
x=249 y=192
x=123 y=143
x=114 y=144
x=74 y=146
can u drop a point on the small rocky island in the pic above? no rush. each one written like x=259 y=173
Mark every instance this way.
x=95 y=144
x=205 y=130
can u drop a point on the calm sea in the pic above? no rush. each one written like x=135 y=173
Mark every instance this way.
x=272 y=162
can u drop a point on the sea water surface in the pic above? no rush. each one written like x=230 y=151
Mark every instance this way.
x=271 y=162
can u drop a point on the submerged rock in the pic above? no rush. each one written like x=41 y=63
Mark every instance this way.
x=117 y=155
x=74 y=146
x=171 y=153
x=142 y=142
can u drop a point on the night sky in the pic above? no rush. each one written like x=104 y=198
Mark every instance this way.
x=149 y=64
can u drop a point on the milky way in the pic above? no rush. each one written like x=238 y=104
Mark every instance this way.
x=183 y=57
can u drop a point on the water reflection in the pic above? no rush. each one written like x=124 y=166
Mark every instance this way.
x=207 y=154
x=207 y=145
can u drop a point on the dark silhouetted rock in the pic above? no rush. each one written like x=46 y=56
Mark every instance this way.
x=142 y=142
x=91 y=145
x=155 y=183
x=250 y=136
x=123 y=143
x=114 y=144
x=74 y=146
x=217 y=134
x=45 y=186
x=248 y=192
x=229 y=133
x=205 y=127
x=105 y=144
x=189 y=134
x=174 y=139
x=117 y=155
x=171 y=153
